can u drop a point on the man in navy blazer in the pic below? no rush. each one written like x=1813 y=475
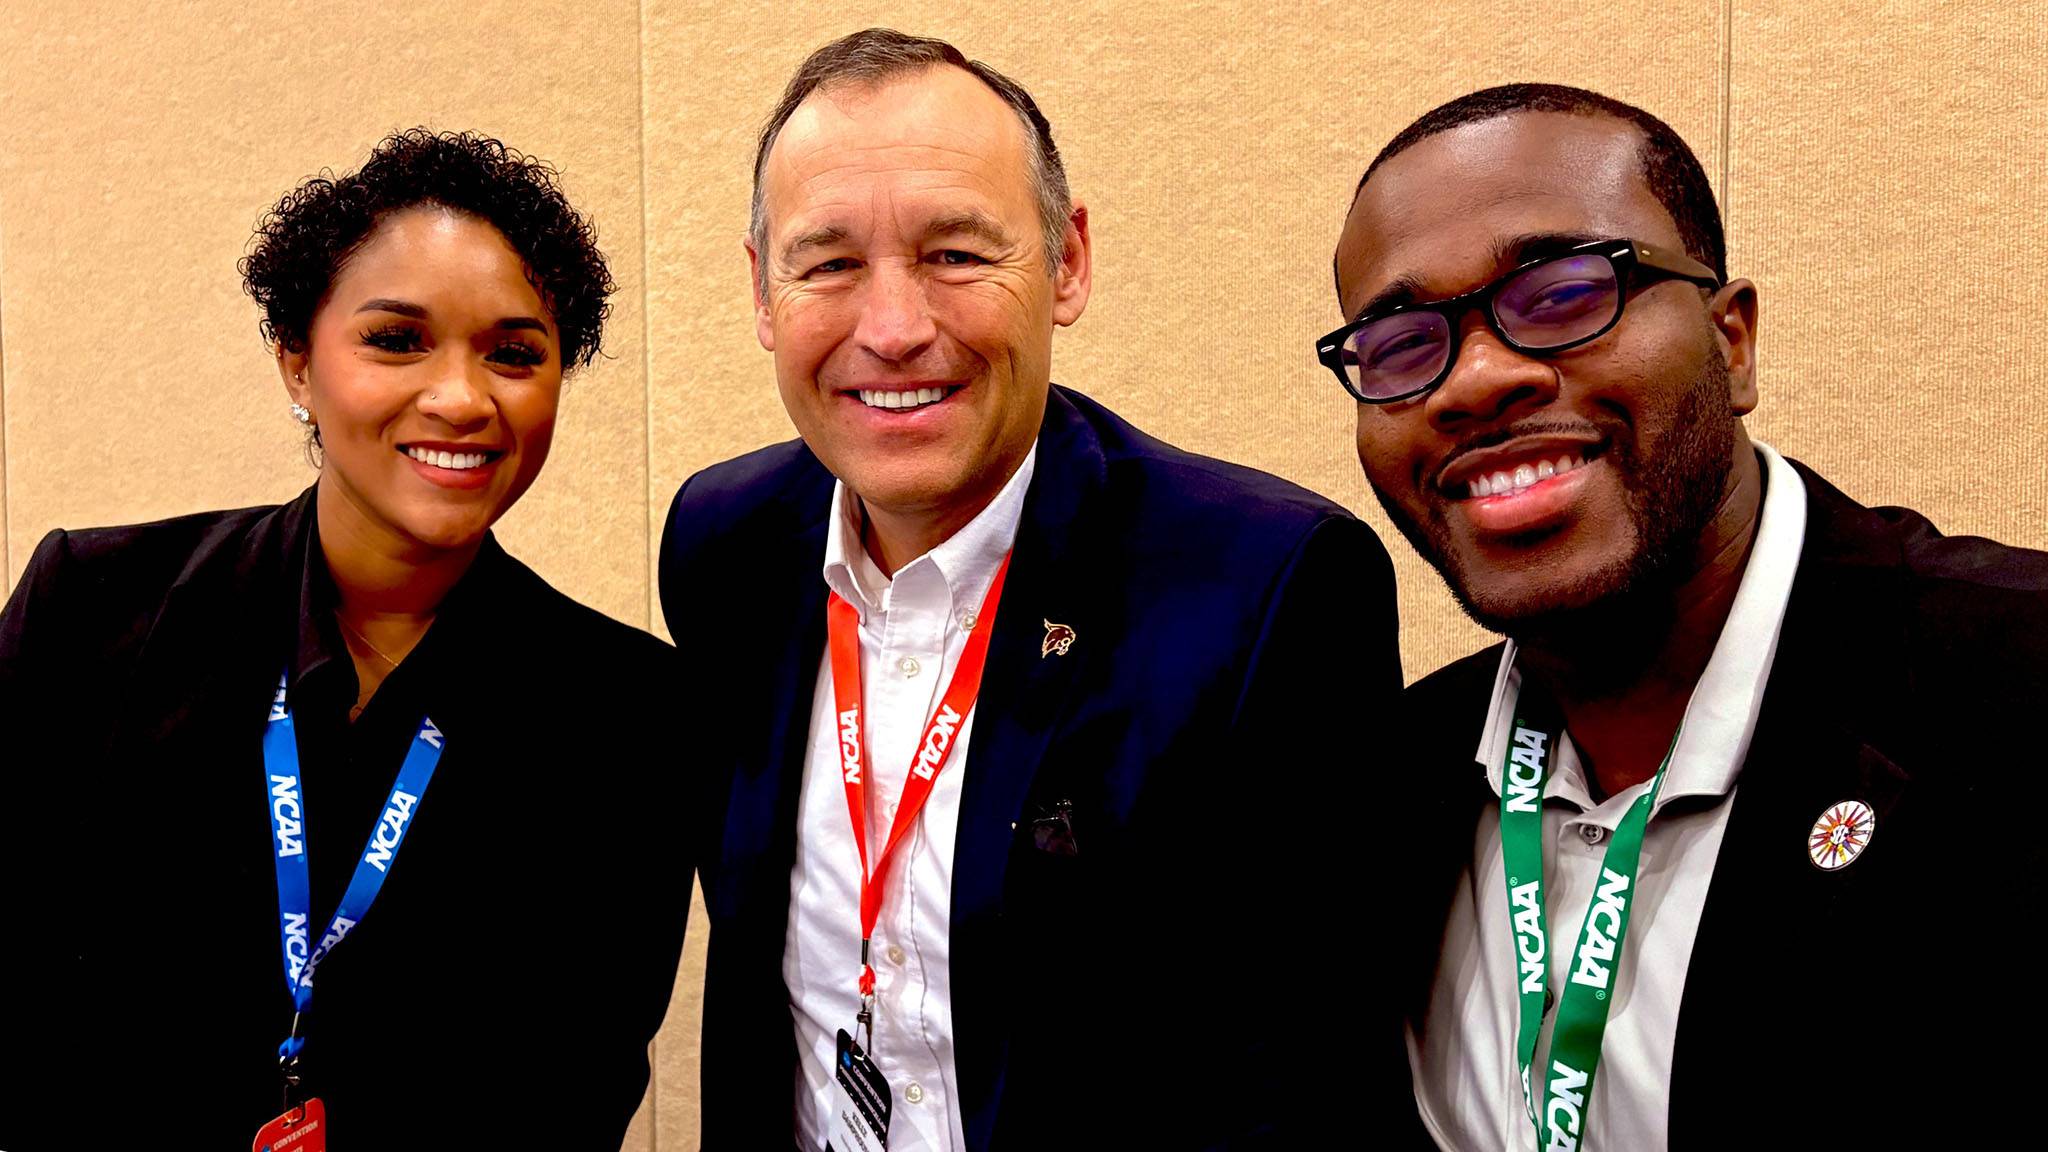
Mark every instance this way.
x=1122 y=915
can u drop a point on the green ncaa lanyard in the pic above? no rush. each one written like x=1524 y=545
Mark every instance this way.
x=1582 y=1010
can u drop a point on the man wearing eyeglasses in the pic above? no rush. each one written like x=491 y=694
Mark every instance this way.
x=1740 y=855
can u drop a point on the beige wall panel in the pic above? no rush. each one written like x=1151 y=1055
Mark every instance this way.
x=640 y=1132
x=6 y=569
x=672 y=1093
x=1889 y=200
x=138 y=148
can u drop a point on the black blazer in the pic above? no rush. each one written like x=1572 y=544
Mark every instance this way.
x=1170 y=984
x=506 y=982
x=1888 y=1003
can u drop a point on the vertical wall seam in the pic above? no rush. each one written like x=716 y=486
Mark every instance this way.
x=646 y=337
x=7 y=573
x=647 y=461
x=1727 y=132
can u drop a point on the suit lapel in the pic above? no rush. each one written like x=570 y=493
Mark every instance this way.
x=1838 y=673
x=761 y=724
x=1023 y=695
x=760 y=827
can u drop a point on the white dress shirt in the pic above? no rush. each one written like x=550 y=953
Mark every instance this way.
x=1467 y=1083
x=913 y=629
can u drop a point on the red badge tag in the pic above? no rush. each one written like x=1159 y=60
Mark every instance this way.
x=303 y=1129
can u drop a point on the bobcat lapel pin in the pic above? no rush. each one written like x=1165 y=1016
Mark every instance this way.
x=1058 y=638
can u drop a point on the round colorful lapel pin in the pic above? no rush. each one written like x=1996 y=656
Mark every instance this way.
x=1840 y=835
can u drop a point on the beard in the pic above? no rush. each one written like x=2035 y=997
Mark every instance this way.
x=1670 y=498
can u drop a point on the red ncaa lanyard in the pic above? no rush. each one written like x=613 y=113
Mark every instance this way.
x=843 y=624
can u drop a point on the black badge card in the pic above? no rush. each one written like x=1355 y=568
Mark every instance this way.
x=860 y=1104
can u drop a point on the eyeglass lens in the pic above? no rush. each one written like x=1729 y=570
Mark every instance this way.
x=1544 y=306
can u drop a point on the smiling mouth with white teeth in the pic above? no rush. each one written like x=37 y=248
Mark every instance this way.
x=906 y=398
x=1525 y=474
x=455 y=461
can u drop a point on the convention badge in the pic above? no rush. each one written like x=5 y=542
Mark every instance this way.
x=300 y=1129
x=1840 y=835
x=860 y=1102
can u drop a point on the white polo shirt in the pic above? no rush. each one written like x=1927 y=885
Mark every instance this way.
x=1467 y=1082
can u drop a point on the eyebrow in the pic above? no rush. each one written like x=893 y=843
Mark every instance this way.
x=971 y=222
x=402 y=307
x=1511 y=252
x=1403 y=290
x=417 y=312
x=821 y=237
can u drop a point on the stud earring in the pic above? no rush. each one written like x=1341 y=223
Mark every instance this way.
x=302 y=414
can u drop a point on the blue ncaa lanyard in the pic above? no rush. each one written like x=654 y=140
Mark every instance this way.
x=288 y=834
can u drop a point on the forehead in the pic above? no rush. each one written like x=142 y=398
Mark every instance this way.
x=934 y=136
x=428 y=250
x=1440 y=211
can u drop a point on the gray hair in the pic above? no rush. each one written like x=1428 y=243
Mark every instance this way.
x=870 y=57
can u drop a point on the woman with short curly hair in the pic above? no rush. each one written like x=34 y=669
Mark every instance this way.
x=457 y=829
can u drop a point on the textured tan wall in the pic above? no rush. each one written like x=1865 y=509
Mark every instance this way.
x=1889 y=178
x=1216 y=144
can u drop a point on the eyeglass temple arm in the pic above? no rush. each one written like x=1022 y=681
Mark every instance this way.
x=1676 y=263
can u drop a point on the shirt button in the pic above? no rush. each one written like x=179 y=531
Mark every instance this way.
x=914 y=1093
x=1592 y=833
x=967 y=620
x=895 y=955
x=909 y=665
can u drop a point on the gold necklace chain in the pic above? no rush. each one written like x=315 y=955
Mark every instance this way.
x=365 y=639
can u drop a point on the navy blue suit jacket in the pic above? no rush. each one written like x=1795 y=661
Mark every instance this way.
x=1186 y=977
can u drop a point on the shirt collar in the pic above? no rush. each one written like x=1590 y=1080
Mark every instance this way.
x=966 y=561
x=1721 y=715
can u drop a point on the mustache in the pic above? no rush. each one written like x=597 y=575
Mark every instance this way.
x=1534 y=426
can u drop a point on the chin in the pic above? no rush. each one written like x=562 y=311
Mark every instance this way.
x=1539 y=602
x=446 y=533
x=904 y=483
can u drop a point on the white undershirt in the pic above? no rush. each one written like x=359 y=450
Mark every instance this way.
x=912 y=633
x=1467 y=1084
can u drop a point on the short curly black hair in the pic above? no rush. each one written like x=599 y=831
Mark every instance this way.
x=306 y=238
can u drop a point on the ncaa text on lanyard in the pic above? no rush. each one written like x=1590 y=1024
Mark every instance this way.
x=294 y=892
x=1582 y=1011
x=933 y=751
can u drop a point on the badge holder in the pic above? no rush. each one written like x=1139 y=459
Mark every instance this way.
x=303 y=1125
x=300 y=1129
x=861 y=1102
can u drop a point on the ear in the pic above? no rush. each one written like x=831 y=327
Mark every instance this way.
x=1733 y=312
x=291 y=368
x=1075 y=275
x=757 y=292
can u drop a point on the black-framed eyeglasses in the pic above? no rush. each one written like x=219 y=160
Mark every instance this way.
x=1544 y=306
